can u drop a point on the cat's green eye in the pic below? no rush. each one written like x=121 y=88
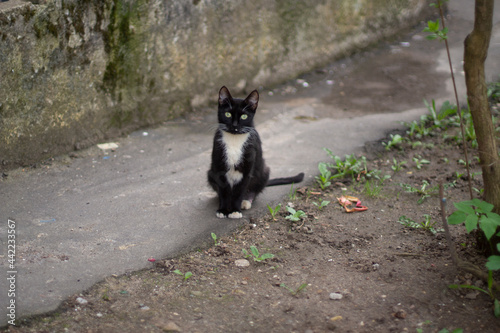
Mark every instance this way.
x=244 y=116
x=228 y=114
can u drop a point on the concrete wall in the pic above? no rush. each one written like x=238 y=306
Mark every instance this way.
x=73 y=73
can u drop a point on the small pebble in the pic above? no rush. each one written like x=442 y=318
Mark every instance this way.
x=81 y=300
x=471 y=295
x=170 y=327
x=242 y=263
x=336 y=296
x=401 y=314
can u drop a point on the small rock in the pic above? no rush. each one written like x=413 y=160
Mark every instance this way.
x=401 y=314
x=168 y=326
x=336 y=296
x=479 y=283
x=471 y=295
x=144 y=308
x=98 y=314
x=195 y=293
x=81 y=300
x=242 y=263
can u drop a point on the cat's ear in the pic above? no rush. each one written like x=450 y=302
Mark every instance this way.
x=225 y=97
x=252 y=100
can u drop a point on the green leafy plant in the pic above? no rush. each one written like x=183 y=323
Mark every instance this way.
x=321 y=205
x=493 y=263
x=424 y=191
x=325 y=176
x=186 y=275
x=434 y=31
x=294 y=215
x=479 y=191
x=478 y=214
x=439 y=119
x=377 y=175
x=350 y=166
x=427 y=224
x=470 y=132
x=417 y=130
x=430 y=122
x=395 y=141
x=274 y=210
x=254 y=253
x=214 y=237
x=296 y=291
x=458 y=175
x=419 y=162
x=397 y=166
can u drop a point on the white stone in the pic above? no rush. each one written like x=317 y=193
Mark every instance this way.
x=242 y=263
x=81 y=300
x=336 y=296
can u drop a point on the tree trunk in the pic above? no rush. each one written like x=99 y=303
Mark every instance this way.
x=476 y=51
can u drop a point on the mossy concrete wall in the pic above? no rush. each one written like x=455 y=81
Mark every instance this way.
x=73 y=73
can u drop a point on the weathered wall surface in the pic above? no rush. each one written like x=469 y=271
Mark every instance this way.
x=73 y=72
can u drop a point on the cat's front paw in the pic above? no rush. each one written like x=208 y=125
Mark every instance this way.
x=235 y=215
x=220 y=215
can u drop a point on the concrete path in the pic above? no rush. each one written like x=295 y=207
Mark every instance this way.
x=101 y=213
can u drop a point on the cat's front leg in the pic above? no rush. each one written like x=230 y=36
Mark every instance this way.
x=237 y=202
x=228 y=208
x=230 y=203
x=225 y=209
x=220 y=184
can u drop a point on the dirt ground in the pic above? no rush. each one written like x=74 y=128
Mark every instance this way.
x=331 y=271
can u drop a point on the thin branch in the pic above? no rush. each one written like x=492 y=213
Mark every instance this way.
x=446 y=228
x=458 y=105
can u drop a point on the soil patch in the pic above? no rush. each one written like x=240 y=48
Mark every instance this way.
x=331 y=271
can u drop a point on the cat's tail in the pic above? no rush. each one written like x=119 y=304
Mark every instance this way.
x=288 y=180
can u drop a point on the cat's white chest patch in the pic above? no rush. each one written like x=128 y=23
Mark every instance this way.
x=234 y=145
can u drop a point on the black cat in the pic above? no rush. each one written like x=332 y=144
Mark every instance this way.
x=238 y=171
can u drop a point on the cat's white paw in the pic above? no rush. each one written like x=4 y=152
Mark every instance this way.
x=245 y=204
x=220 y=215
x=235 y=215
